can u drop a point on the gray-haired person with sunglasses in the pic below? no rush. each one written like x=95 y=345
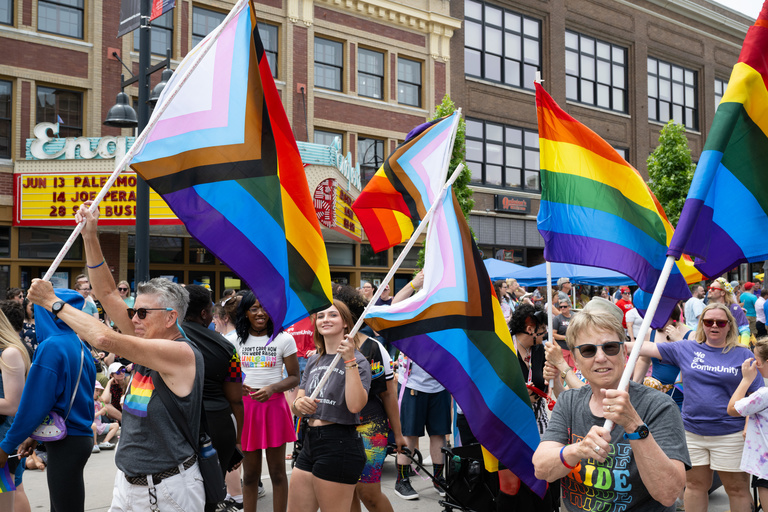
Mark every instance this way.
x=640 y=463
x=158 y=468
x=711 y=368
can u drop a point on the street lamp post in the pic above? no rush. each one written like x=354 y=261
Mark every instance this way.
x=141 y=258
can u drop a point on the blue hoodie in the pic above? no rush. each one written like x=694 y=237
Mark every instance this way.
x=52 y=378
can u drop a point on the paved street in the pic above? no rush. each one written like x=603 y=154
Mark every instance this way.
x=100 y=475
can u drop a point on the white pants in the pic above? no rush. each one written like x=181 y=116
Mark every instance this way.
x=183 y=493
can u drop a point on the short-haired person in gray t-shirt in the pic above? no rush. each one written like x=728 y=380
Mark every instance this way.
x=640 y=464
x=332 y=456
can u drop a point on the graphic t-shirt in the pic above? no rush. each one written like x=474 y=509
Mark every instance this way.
x=615 y=485
x=560 y=325
x=381 y=372
x=262 y=364
x=710 y=378
x=754 y=459
x=332 y=405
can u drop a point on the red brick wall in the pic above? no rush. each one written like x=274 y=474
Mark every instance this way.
x=352 y=144
x=439 y=82
x=185 y=17
x=393 y=76
x=352 y=63
x=40 y=57
x=341 y=112
x=6 y=184
x=272 y=3
x=300 y=66
x=26 y=12
x=370 y=27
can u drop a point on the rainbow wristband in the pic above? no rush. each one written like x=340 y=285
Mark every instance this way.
x=96 y=266
x=563 y=459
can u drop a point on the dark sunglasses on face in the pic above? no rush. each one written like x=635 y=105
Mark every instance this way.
x=121 y=371
x=610 y=348
x=708 y=322
x=142 y=312
x=122 y=289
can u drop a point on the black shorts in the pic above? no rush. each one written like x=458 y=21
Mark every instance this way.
x=759 y=482
x=333 y=452
x=430 y=410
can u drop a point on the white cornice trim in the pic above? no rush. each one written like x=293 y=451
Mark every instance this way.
x=398 y=14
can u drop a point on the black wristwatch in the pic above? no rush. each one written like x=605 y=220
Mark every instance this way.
x=641 y=433
x=56 y=308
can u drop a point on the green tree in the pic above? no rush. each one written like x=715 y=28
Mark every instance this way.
x=461 y=185
x=670 y=170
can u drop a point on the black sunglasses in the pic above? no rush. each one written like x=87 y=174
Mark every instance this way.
x=142 y=312
x=122 y=289
x=610 y=348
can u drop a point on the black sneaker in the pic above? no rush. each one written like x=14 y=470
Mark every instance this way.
x=440 y=490
x=404 y=490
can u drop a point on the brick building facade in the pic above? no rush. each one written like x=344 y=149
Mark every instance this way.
x=623 y=68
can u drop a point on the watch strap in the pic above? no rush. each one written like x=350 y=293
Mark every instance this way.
x=641 y=433
x=56 y=310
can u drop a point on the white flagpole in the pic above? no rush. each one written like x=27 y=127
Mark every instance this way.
x=140 y=139
x=639 y=339
x=551 y=336
x=419 y=229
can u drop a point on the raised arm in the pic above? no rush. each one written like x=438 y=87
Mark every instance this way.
x=174 y=361
x=102 y=283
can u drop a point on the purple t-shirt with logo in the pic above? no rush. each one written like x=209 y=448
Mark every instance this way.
x=709 y=379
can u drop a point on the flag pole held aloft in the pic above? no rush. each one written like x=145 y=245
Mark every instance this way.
x=120 y=166
x=422 y=225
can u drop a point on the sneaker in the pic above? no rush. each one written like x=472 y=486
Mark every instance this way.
x=404 y=490
x=106 y=446
x=229 y=505
x=440 y=490
x=262 y=490
x=95 y=449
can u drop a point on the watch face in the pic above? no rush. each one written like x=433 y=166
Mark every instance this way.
x=642 y=431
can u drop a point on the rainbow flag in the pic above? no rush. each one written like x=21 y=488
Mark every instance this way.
x=223 y=157
x=401 y=192
x=725 y=217
x=454 y=329
x=597 y=210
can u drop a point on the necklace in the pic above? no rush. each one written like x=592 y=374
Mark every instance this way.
x=527 y=357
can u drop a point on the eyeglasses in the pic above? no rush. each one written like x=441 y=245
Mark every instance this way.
x=540 y=333
x=142 y=312
x=709 y=322
x=610 y=348
x=712 y=288
x=122 y=289
x=121 y=371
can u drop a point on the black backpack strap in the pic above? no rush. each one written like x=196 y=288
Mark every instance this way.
x=178 y=417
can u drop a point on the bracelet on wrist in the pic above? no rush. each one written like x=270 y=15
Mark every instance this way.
x=350 y=366
x=411 y=283
x=103 y=261
x=350 y=361
x=562 y=459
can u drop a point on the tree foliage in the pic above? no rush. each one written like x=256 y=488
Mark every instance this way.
x=670 y=170
x=461 y=185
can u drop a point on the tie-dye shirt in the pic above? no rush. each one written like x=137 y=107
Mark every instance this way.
x=754 y=460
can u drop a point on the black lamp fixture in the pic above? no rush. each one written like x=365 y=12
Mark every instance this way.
x=164 y=78
x=122 y=114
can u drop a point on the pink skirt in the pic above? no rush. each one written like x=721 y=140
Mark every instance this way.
x=267 y=424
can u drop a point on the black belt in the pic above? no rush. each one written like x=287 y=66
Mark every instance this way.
x=159 y=477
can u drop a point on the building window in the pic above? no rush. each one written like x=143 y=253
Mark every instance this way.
x=203 y=23
x=6 y=89
x=63 y=17
x=329 y=58
x=501 y=45
x=61 y=106
x=370 y=156
x=720 y=87
x=160 y=35
x=503 y=156
x=370 y=74
x=6 y=12
x=368 y=258
x=595 y=72
x=672 y=94
x=268 y=35
x=326 y=138
x=42 y=243
x=409 y=82
x=623 y=152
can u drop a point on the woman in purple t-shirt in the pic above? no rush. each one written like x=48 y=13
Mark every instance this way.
x=710 y=366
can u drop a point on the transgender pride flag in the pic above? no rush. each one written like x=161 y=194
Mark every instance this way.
x=221 y=153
